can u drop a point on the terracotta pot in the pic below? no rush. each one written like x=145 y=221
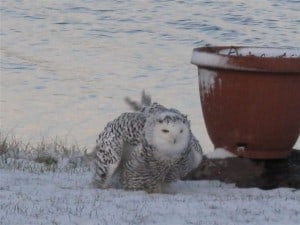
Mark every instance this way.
x=250 y=98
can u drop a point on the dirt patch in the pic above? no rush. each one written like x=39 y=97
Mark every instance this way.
x=264 y=174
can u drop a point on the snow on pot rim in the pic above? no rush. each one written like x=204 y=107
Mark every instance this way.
x=261 y=59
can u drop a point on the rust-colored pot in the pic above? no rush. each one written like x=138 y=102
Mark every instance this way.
x=250 y=98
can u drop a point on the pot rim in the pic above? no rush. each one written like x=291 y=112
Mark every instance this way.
x=246 y=58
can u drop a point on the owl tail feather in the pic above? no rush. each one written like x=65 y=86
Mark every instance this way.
x=137 y=106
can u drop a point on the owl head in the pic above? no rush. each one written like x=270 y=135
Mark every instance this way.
x=168 y=133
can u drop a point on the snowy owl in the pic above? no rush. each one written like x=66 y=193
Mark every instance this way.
x=146 y=149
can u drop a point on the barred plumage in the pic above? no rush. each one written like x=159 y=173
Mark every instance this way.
x=111 y=144
x=147 y=149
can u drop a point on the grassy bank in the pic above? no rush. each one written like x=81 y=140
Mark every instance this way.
x=45 y=155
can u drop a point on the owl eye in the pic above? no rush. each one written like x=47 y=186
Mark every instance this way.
x=165 y=131
x=160 y=121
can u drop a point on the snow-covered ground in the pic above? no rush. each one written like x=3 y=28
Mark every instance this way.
x=74 y=62
x=67 y=197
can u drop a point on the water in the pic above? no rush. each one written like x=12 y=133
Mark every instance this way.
x=66 y=66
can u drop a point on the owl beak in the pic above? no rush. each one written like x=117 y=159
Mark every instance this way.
x=174 y=141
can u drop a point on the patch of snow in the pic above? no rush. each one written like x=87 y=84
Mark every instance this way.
x=68 y=198
x=207 y=80
x=221 y=59
x=220 y=153
x=209 y=59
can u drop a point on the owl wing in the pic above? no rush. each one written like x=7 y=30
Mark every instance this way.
x=137 y=106
x=122 y=132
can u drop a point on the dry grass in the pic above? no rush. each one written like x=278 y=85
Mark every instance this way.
x=42 y=156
